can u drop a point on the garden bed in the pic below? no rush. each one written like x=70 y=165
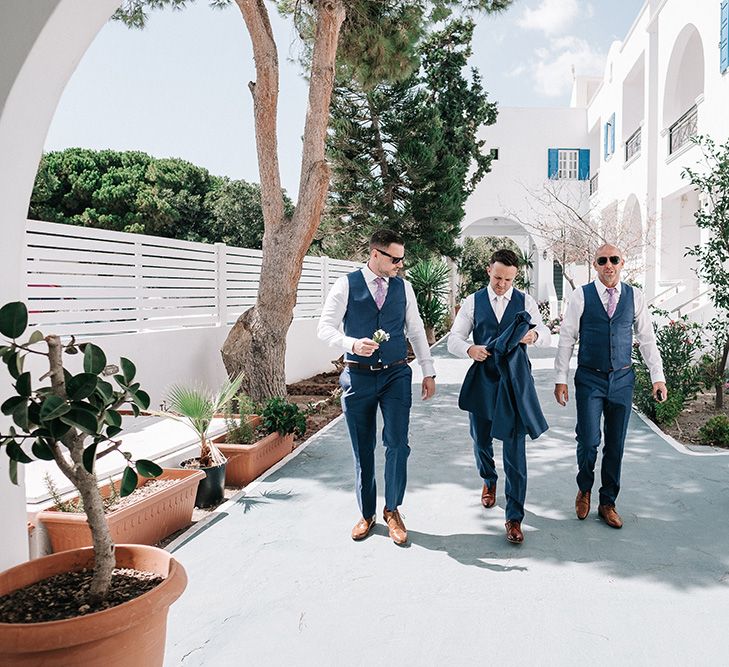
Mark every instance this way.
x=686 y=427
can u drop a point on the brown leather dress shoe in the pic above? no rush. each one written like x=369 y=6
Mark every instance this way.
x=397 y=529
x=362 y=528
x=513 y=532
x=610 y=516
x=488 y=495
x=582 y=504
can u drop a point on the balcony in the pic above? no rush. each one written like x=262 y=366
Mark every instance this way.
x=593 y=184
x=632 y=145
x=682 y=130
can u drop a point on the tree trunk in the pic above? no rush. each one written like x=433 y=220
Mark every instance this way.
x=84 y=481
x=430 y=334
x=256 y=344
x=719 y=402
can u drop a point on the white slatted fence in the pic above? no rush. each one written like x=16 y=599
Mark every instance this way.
x=90 y=282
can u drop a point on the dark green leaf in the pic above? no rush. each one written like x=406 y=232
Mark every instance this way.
x=141 y=398
x=105 y=390
x=112 y=417
x=13 y=319
x=89 y=457
x=41 y=450
x=129 y=482
x=71 y=349
x=94 y=359
x=13 y=402
x=34 y=413
x=128 y=369
x=16 y=453
x=58 y=429
x=13 y=472
x=53 y=407
x=81 y=386
x=112 y=431
x=20 y=416
x=22 y=386
x=82 y=420
x=13 y=361
x=135 y=410
x=148 y=468
x=35 y=337
x=121 y=380
x=82 y=347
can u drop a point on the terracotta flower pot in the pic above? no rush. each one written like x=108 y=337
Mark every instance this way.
x=127 y=635
x=147 y=521
x=246 y=462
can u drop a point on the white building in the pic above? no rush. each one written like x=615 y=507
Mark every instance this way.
x=621 y=146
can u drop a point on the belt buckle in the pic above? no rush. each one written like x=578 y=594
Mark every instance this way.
x=380 y=367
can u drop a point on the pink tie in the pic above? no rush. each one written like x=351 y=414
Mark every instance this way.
x=380 y=292
x=612 y=301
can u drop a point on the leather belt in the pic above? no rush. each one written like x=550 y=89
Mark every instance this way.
x=376 y=367
x=609 y=370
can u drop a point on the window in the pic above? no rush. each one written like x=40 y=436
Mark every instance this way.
x=568 y=161
x=724 y=37
x=494 y=153
x=609 y=138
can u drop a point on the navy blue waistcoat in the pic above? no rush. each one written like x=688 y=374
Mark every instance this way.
x=606 y=342
x=480 y=386
x=362 y=318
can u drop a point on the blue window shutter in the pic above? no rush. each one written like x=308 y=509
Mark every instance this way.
x=612 y=134
x=552 y=163
x=724 y=37
x=605 y=141
x=584 y=165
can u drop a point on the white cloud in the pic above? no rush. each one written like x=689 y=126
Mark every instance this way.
x=552 y=68
x=550 y=16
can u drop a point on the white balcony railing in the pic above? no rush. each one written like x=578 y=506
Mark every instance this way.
x=682 y=130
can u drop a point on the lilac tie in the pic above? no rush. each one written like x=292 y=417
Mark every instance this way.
x=612 y=301
x=380 y=292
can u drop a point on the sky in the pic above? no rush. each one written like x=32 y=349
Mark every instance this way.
x=179 y=88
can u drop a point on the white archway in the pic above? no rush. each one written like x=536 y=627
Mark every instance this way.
x=684 y=76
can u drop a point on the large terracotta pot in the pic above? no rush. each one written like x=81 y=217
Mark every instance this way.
x=129 y=635
x=145 y=522
x=246 y=462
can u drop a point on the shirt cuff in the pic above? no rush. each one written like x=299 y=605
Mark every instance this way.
x=428 y=369
x=348 y=344
x=658 y=377
x=560 y=378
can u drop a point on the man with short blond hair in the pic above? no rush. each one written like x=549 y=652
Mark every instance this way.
x=605 y=315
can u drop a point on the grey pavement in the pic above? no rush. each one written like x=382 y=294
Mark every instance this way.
x=274 y=578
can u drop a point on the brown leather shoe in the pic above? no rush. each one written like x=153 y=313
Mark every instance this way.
x=488 y=495
x=610 y=516
x=398 y=532
x=513 y=532
x=582 y=504
x=362 y=528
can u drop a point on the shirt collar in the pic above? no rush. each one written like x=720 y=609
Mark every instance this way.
x=493 y=295
x=370 y=276
x=601 y=288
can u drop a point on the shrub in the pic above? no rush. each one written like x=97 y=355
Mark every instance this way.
x=239 y=429
x=667 y=411
x=715 y=431
x=284 y=417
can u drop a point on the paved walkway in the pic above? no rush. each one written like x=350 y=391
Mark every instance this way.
x=276 y=580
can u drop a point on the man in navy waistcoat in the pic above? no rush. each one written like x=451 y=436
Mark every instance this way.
x=486 y=314
x=368 y=300
x=604 y=315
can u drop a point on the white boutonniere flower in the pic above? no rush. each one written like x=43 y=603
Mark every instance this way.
x=380 y=336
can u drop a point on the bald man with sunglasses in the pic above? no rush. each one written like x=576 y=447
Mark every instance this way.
x=605 y=315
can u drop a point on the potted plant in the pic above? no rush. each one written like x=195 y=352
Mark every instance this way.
x=196 y=407
x=74 y=420
x=281 y=420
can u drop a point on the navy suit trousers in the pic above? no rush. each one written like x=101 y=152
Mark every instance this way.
x=607 y=396
x=515 y=464
x=364 y=392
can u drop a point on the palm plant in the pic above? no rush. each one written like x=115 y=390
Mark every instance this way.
x=429 y=278
x=196 y=406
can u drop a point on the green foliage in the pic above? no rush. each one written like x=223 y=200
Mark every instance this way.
x=239 y=429
x=405 y=154
x=475 y=260
x=679 y=342
x=713 y=370
x=715 y=431
x=283 y=417
x=196 y=406
x=130 y=191
x=429 y=278
x=84 y=408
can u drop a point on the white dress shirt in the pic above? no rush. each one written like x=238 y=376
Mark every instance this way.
x=458 y=342
x=335 y=306
x=569 y=331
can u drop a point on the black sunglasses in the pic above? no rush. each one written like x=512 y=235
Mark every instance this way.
x=394 y=260
x=614 y=259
